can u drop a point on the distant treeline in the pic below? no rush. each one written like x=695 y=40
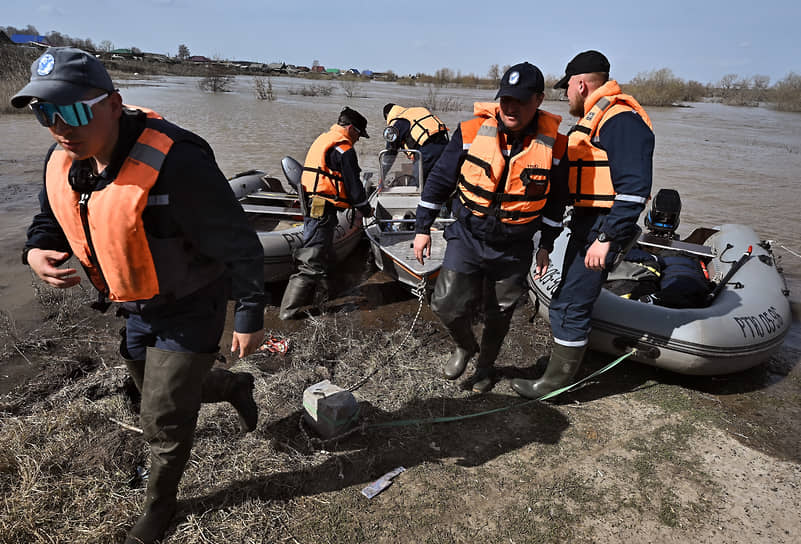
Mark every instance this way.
x=656 y=88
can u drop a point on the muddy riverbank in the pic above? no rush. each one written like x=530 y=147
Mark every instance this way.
x=637 y=455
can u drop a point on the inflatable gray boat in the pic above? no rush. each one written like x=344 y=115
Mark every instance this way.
x=743 y=324
x=274 y=211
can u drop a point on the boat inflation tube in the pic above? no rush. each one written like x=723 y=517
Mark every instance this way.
x=330 y=410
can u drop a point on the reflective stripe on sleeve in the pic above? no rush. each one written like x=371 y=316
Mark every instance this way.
x=551 y=222
x=158 y=200
x=430 y=205
x=632 y=198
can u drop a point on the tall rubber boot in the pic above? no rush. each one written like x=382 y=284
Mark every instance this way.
x=466 y=346
x=562 y=368
x=299 y=293
x=501 y=298
x=171 y=396
x=300 y=290
x=492 y=338
x=455 y=297
x=223 y=385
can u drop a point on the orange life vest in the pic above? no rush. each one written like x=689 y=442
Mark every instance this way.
x=424 y=124
x=317 y=178
x=590 y=177
x=519 y=197
x=104 y=228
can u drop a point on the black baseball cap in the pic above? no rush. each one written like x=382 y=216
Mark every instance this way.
x=350 y=116
x=587 y=62
x=62 y=76
x=521 y=81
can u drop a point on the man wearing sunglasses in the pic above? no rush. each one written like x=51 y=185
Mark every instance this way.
x=143 y=206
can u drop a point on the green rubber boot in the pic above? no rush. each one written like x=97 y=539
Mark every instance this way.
x=171 y=395
x=454 y=300
x=237 y=388
x=562 y=368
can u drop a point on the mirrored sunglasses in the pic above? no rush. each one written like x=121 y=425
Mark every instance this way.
x=74 y=115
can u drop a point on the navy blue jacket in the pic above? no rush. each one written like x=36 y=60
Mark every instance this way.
x=629 y=144
x=202 y=208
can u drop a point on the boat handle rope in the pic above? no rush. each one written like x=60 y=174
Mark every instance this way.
x=447 y=419
x=788 y=250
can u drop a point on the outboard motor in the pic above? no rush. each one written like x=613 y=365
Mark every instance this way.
x=663 y=217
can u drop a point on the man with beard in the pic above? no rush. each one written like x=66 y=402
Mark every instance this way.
x=609 y=155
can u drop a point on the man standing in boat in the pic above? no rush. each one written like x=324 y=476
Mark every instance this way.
x=331 y=182
x=502 y=165
x=610 y=154
x=142 y=205
x=415 y=128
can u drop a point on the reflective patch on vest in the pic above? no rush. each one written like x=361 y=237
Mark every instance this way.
x=158 y=200
x=341 y=149
x=603 y=103
x=147 y=155
x=486 y=130
x=547 y=141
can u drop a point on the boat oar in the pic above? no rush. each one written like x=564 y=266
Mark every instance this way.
x=732 y=271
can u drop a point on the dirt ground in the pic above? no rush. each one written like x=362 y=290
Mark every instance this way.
x=636 y=455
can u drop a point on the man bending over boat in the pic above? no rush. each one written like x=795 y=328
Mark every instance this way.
x=508 y=185
x=610 y=153
x=141 y=203
x=330 y=182
x=415 y=128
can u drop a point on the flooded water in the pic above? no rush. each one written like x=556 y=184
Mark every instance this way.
x=730 y=164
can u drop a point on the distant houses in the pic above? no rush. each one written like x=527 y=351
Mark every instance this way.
x=133 y=54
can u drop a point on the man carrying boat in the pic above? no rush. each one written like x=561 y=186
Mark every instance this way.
x=503 y=165
x=142 y=205
x=330 y=182
x=415 y=128
x=610 y=154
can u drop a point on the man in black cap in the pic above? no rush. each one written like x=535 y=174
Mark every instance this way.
x=144 y=208
x=610 y=153
x=502 y=165
x=330 y=182
x=415 y=128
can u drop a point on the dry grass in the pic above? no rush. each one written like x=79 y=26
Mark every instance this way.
x=67 y=471
x=15 y=65
x=617 y=463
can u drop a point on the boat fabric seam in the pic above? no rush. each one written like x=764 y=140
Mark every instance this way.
x=683 y=346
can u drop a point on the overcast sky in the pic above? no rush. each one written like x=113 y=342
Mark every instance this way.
x=700 y=40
